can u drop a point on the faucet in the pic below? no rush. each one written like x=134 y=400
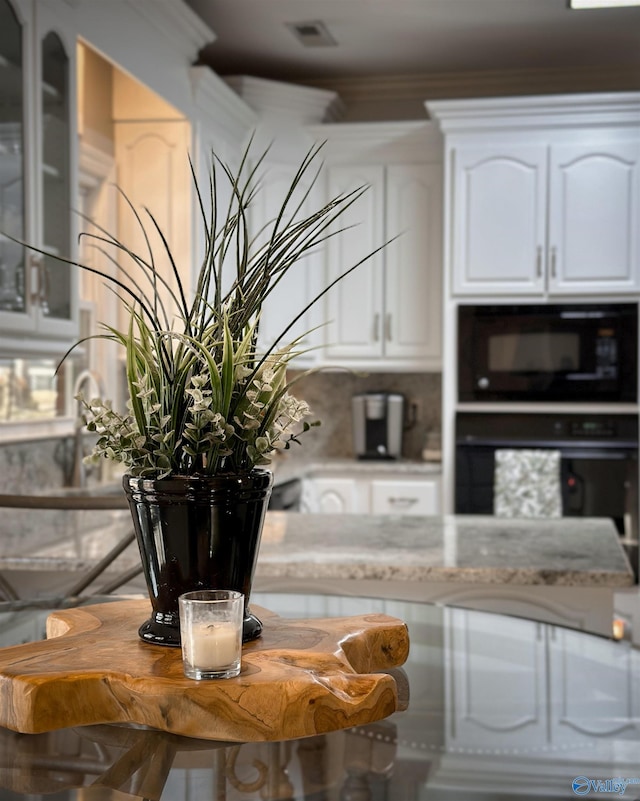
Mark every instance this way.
x=92 y=381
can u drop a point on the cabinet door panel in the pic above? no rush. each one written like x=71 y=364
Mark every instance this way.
x=499 y=199
x=354 y=306
x=305 y=279
x=154 y=173
x=594 y=213
x=487 y=698
x=413 y=262
x=595 y=688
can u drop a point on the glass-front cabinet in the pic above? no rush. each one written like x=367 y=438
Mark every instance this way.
x=38 y=294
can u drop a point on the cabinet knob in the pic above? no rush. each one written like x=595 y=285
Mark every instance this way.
x=539 y=261
x=553 y=262
x=387 y=327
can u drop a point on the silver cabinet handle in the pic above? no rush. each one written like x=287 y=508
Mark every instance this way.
x=553 y=262
x=539 y=261
x=405 y=502
x=36 y=265
x=376 y=327
x=388 y=327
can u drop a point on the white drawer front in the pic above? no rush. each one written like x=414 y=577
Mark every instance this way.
x=406 y=497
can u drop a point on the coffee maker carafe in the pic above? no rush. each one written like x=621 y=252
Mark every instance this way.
x=377 y=425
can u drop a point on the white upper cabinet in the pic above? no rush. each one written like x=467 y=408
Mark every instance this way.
x=499 y=219
x=290 y=295
x=594 y=217
x=38 y=294
x=388 y=308
x=386 y=314
x=413 y=262
x=543 y=195
x=354 y=306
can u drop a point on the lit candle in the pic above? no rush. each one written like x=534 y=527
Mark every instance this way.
x=212 y=646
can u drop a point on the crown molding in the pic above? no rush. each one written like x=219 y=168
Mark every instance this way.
x=416 y=140
x=541 y=111
x=306 y=105
x=174 y=18
x=220 y=105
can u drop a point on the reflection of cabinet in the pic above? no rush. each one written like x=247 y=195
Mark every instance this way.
x=585 y=703
x=37 y=74
x=545 y=194
x=523 y=685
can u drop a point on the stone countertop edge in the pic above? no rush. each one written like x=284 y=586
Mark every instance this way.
x=469 y=549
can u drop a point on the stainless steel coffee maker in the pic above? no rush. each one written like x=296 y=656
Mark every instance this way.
x=377 y=425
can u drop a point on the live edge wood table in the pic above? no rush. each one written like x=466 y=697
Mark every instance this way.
x=302 y=677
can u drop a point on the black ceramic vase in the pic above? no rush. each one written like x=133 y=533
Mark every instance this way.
x=196 y=533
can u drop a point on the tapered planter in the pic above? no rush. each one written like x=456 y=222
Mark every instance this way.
x=194 y=533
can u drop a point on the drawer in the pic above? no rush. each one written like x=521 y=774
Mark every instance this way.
x=397 y=496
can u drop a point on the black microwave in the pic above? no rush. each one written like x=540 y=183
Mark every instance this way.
x=552 y=352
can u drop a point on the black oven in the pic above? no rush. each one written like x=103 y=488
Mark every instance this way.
x=598 y=462
x=553 y=352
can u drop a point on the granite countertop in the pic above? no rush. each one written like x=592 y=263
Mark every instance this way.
x=285 y=468
x=463 y=548
x=475 y=549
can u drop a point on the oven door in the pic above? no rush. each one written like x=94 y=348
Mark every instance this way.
x=595 y=482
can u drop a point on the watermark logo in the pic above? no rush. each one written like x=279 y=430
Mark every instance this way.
x=582 y=785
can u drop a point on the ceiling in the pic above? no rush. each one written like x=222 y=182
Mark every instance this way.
x=415 y=37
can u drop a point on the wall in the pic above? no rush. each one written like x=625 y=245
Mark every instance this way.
x=328 y=393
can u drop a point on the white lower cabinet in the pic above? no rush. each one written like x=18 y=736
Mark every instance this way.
x=377 y=494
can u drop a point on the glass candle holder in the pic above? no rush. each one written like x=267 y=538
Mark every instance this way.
x=211 y=633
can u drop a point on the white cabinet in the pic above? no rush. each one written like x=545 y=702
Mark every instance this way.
x=381 y=492
x=594 y=210
x=387 y=310
x=354 y=305
x=499 y=220
x=303 y=281
x=544 y=195
x=38 y=295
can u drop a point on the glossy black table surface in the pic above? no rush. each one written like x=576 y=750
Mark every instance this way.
x=496 y=708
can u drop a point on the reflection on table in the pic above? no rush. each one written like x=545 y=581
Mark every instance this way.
x=498 y=707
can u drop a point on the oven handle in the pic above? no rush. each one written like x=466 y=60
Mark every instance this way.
x=558 y=445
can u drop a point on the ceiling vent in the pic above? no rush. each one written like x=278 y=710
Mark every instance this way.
x=312 y=34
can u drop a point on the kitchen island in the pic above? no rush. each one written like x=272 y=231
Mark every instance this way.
x=561 y=571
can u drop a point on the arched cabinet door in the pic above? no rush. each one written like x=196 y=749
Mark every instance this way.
x=594 y=236
x=499 y=210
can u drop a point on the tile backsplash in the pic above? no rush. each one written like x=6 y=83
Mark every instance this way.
x=46 y=464
x=328 y=393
